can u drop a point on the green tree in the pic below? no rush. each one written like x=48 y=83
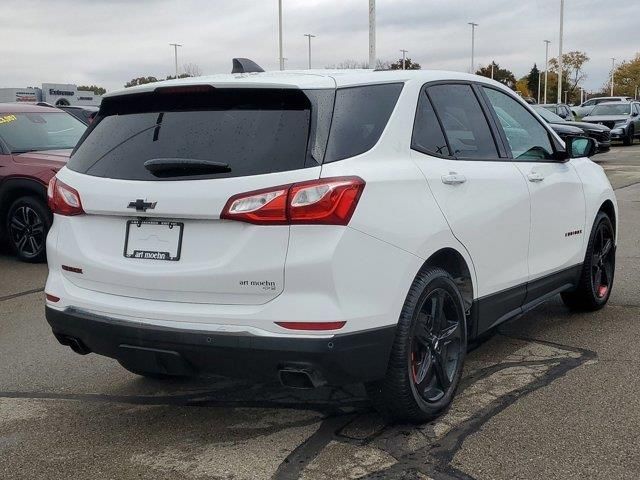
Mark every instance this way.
x=532 y=80
x=140 y=81
x=501 y=75
x=572 y=73
x=408 y=65
x=626 y=78
x=93 y=88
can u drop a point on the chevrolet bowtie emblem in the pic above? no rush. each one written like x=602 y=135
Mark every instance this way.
x=141 y=206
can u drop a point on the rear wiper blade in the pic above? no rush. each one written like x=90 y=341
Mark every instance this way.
x=182 y=167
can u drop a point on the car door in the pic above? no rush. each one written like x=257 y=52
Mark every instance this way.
x=480 y=192
x=557 y=199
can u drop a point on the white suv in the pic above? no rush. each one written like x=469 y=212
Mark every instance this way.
x=322 y=228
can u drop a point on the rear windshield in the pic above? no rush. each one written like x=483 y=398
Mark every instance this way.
x=253 y=131
x=28 y=132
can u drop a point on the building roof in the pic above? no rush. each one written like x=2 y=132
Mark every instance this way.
x=305 y=79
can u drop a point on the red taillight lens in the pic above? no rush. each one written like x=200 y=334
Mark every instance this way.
x=63 y=199
x=312 y=325
x=327 y=201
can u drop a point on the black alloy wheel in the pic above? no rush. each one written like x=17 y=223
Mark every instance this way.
x=436 y=346
x=602 y=261
x=27 y=224
x=428 y=352
x=598 y=270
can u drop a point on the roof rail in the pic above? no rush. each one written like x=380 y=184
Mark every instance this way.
x=244 y=65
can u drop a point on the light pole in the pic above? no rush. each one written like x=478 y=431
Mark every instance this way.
x=175 y=50
x=539 y=82
x=473 y=44
x=372 y=33
x=560 y=52
x=404 y=57
x=308 y=35
x=280 y=54
x=613 y=68
x=546 y=68
x=493 y=63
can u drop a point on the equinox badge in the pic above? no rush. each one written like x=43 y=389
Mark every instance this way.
x=141 y=206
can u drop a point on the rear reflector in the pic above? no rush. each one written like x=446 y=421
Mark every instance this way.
x=327 y=201
x=312 y=325
x=63 y=199
x=52 y=298
x=71 y=269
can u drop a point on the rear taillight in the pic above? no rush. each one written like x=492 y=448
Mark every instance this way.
x=63 y=199
x=327 y=201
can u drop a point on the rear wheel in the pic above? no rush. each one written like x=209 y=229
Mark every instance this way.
x=596 y=280
x=27 y=224
x=428 y=354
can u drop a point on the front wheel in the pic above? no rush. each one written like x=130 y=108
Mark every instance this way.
x=428 y=354
x=27 y=224
x=628 y=140
x=596 y=280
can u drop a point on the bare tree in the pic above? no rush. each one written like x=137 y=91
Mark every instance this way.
x=192 y=69
x=355 y=64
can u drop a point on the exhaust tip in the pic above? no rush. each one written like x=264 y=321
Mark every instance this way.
x=302 y=378
x=73 y=343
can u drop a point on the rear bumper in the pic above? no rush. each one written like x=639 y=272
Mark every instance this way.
x=340 y=359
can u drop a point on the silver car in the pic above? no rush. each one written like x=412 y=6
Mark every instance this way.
x=585 y=108
x=623 y=118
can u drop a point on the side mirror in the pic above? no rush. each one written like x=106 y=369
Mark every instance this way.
x=579 y=147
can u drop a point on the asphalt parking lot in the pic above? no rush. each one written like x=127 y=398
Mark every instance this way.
x=550 y=395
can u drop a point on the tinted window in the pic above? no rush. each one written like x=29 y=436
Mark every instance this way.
x=612 y=109
x=253 y=131
x=528 y=139
x=359 y=117
x=463 y=121
x=545 y=114
x=24 y=132
x=427 y=133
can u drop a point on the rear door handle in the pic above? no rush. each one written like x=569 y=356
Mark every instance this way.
x=453 y=178
x=535 y=177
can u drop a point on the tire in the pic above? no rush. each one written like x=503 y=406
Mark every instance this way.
x=628 y=140
x=27 y=223
x=151 y=375
x=428 y=353
x=598 y=269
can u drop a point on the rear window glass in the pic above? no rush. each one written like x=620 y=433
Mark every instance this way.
x=359 y=117
x=26 y=132
x=253 y=131
x=427 y=133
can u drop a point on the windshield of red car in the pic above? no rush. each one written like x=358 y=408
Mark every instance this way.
x=33 y=131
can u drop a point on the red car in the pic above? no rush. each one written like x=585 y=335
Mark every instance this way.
x=35 y=142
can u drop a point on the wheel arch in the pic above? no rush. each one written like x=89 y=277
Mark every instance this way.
x=608 y=208
x=456 y=265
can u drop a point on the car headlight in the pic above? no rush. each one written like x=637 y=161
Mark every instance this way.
x=620 y=123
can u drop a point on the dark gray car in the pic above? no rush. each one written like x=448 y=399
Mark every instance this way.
x=600 y=133
x=623 y=118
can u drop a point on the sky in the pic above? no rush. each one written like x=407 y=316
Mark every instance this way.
x=109 y=42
